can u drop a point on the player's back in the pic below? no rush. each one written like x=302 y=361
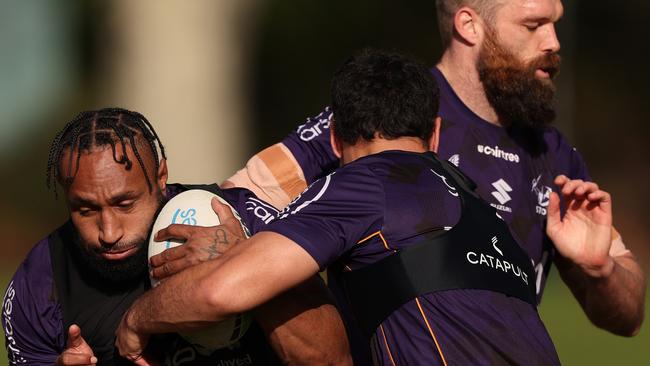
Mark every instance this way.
x=422 y=201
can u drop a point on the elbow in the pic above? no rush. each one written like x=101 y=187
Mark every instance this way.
x=219 y=301
x=629 y=327
x=634 y=326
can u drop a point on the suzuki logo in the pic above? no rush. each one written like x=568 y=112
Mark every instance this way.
x=502 y=189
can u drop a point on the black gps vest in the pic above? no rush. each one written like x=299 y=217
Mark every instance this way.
x=477 y=253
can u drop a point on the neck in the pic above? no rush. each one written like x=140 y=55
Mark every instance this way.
x=459 y=68
x=350 y=153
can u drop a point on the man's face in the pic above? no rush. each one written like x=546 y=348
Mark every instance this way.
x=112 y=211
x=518 y=60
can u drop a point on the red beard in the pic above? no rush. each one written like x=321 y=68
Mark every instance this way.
x=518 y=97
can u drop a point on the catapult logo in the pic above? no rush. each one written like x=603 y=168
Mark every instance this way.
x=495 y=263
x=542 y=194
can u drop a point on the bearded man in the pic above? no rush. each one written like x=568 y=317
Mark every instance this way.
x=65 y=300
x=496 y=102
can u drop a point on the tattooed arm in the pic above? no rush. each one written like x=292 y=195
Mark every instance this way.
x=302 y=324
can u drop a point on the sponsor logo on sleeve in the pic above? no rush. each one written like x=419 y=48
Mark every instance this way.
x=316 y=126
x=496 y=152
x=495 y=263
x=15 y=358
x=261 y=210
x=542 y=194
x=502 y=188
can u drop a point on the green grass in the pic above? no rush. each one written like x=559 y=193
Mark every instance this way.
x=577 y=341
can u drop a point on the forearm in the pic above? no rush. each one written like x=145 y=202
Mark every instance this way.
x=246 y=276
x=615 y=302
x=304 y=326
x=179 y=303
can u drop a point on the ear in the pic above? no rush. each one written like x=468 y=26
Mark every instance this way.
x=161 y=175
x=336 y=144
x=434 y=140
x=468 y=25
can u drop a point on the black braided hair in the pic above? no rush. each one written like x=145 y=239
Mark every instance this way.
x=104 y=127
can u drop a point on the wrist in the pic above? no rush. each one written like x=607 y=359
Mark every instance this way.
x=601 y=270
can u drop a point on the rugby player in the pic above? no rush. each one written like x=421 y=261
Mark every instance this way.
x=66 y=299
x=405 y=240
x=496 y=102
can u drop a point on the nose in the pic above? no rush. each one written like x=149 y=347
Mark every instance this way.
x=550 y=43
x=110 y=228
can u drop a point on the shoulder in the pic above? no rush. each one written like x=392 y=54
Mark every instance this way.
x=31 y=315
x=566 y=157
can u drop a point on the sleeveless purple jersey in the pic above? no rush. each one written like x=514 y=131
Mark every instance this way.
x=32 y=317
x=381 y=203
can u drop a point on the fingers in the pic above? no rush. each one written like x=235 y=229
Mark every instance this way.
x=73 y=358
x=74 y=336
x=553 y=211
x=175 y=232
x=170 y=268
x=167 y=255
x=222 y=210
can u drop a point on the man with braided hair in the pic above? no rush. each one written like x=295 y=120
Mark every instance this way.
x=66 y=299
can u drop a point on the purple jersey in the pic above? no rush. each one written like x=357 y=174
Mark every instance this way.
x=32 y=316
x=379 y=204
x=514 y=171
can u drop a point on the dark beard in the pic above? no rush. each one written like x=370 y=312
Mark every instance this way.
x=117 y=273
x=113 y=272
x=518 y=97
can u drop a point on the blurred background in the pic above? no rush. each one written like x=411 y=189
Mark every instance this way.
x=221 y=79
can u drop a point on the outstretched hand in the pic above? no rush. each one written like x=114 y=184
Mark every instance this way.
x=583 y=235
x=201 y=243
x=77 y=351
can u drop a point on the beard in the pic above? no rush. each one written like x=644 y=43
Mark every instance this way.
x=519 y=98
x=117 y=273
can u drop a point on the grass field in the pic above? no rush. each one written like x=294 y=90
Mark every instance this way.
x=577 y=341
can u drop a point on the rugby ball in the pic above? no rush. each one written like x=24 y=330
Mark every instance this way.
x=194 y=207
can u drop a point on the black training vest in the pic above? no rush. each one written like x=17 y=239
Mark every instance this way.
x=455 y=259
x=88 y=301
x=98 y=308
